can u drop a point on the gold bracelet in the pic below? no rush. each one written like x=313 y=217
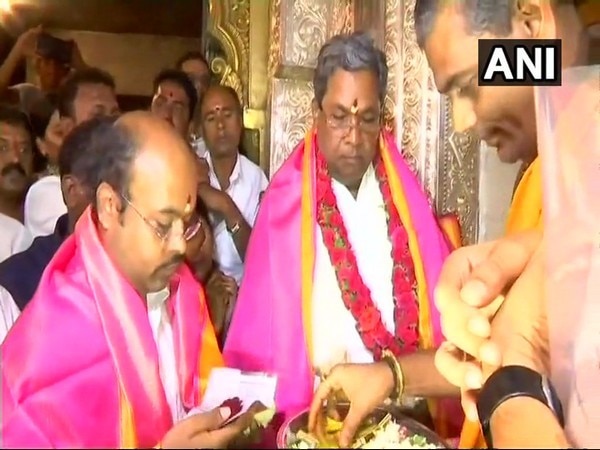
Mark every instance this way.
x=397 y=372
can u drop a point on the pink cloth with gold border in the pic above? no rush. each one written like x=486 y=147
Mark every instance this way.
x=80 y=369
x=270 y=331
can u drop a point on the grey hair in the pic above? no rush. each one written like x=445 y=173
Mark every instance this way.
x=352 y=53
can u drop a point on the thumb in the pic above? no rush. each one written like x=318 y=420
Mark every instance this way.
x=215 y=418
x=351 y=424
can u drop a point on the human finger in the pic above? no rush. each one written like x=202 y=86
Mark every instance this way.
x=506 y=261
x=206 y=421
x=320 y=396
x=468 y=400
x=450 y=362
x=465 y=327
x=351 y=424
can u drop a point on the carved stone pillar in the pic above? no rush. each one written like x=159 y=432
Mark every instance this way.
x=298 y=30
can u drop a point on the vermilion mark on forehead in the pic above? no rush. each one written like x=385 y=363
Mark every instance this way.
x=354 y=108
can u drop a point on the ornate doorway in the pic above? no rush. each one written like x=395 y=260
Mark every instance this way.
x=267 y=51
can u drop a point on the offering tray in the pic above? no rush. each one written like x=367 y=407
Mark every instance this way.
x=419 y=436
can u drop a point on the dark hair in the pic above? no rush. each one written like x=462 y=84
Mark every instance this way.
x=69 y=89
x=14 y=116
x=481 y=16
x=352 y=53
x=193 y=55
x=100 y=150
x=182 y=80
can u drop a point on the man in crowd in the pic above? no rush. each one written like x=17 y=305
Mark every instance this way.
x=84 y=95
x=221 y=290
x=345 y=251
x=51 y=69
x=235 y=183
x=21 y=273
x=16 y=156
x=174 y=100
x=116 y=295
x=195 y=65
x=502 y=116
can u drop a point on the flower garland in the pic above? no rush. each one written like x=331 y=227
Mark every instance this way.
x=355 y=294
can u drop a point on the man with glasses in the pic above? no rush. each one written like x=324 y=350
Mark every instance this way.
x=345 y=250
x=115 y=349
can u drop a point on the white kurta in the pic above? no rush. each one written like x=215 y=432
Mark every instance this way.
x=160 y=321
x=335 y=338
x=246 y=183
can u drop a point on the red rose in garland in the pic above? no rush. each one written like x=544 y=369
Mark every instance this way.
x=355 y=294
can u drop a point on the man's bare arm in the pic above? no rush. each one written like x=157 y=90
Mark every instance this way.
x=422 y=379
x=524 y=422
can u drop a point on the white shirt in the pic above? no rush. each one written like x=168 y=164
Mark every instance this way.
x=14 y=237
x=160 y=322
x=44 y=204
x=246 y=183
x=9 y=312
x=335 y=338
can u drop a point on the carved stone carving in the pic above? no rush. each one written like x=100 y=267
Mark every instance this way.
x=446 y=162
x=290 y=117
x=227 y=76
x=229 y=24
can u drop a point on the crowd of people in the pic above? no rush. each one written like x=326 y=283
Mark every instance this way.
x=139 y=251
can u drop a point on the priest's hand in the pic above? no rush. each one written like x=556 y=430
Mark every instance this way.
x=366 y=386
x=468 y=295
x=520 y=328
x=206 y=430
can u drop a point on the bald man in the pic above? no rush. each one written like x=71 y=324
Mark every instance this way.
x=115 y=348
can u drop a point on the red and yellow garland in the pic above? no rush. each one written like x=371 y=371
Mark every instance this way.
x=355 y=294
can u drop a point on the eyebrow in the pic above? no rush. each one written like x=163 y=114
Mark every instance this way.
x=346 y=109
x=451 y=82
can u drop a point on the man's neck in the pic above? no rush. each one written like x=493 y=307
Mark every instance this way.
x=12 y=208
x=223 y=167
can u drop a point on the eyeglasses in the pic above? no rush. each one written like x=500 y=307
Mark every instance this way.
x=165 y=233
x=347 y=121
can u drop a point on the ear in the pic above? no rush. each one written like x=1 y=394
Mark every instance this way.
x=109 y=206
x=530 y=16
x=70 y=190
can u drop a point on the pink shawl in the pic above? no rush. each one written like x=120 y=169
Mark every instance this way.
x=80 y=367
x=268 y=329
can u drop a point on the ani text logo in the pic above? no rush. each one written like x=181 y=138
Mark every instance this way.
x=514 y=62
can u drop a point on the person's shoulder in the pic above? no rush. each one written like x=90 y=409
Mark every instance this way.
x=10 y=225
x=43 y=183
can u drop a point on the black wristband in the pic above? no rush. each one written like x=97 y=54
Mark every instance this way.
x=514 y=381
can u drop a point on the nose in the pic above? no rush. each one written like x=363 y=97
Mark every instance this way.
x=353 y=133
x=463 y=115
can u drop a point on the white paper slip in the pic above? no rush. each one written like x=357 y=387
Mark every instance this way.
x=225 y=383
